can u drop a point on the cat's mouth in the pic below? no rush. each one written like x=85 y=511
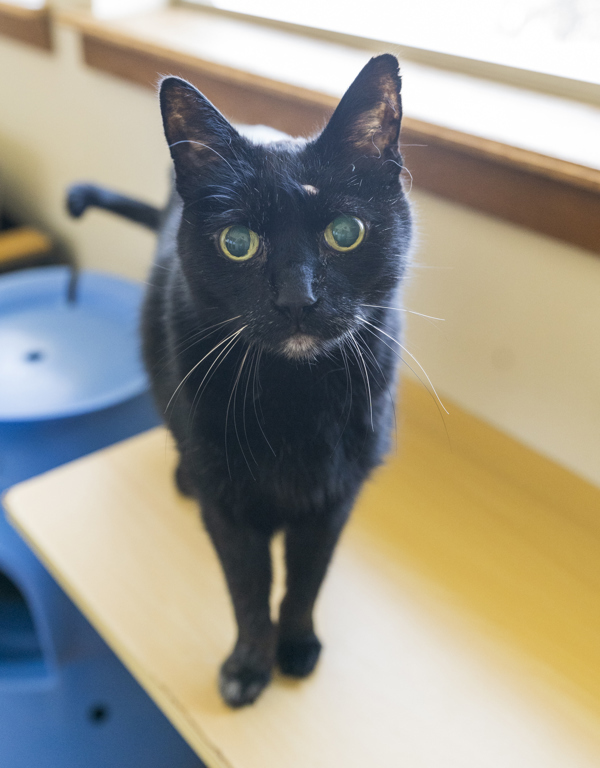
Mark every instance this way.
x=301 y=346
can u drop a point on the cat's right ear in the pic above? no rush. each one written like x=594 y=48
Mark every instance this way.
x=197 y=133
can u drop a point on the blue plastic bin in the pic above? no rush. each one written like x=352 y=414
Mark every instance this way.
x=71 y=382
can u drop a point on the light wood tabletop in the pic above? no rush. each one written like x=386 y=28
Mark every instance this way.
x=460 y=617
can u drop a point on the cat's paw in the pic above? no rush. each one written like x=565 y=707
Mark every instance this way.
x=298 y=656
x=240 y=683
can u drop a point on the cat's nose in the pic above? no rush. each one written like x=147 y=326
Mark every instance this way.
x=294 y=300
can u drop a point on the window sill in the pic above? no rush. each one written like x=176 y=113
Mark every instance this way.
x=25 y=25
x=527 y=157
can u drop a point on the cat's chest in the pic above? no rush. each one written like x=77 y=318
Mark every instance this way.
x=279 y=418
x=272 y=435
x=284 y=458
x=283 y=413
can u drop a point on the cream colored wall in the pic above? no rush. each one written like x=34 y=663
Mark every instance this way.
x=61 y=122
x=519 y=346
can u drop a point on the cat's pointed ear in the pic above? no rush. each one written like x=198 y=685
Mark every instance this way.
x=197 y=133
x=366 y=122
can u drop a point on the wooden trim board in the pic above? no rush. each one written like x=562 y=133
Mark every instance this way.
x=550 y=195
x=240 y=101
x=460 y=617
x=28 y=26
x=509 y=187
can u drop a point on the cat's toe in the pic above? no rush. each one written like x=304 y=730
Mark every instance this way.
x=297 y=657
x=241 y=684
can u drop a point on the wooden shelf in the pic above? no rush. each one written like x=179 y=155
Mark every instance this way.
x=460 y=617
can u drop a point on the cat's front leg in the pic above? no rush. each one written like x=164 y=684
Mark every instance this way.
x=308 y=550
x=246 y=560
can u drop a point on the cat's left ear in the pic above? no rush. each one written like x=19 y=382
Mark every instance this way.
x=197 y=133
x=366 y=122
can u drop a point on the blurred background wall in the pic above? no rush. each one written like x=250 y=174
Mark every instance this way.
x=520 y=343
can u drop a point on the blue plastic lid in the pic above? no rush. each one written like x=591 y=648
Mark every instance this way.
x=61 y=358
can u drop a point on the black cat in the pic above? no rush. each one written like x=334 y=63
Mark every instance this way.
x=268 y=338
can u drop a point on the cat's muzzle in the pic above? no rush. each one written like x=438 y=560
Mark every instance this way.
x=301 y=346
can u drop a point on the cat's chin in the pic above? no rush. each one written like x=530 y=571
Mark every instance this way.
x=301 y=346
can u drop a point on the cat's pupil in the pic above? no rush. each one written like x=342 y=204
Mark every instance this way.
x=345 y=231
x=238 y=241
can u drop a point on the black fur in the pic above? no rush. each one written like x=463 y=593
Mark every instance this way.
x=269 y=441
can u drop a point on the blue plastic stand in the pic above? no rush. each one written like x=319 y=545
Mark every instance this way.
x=71 y=382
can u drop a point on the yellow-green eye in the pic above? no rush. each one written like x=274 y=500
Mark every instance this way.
x=345 y=233
x=239 y=243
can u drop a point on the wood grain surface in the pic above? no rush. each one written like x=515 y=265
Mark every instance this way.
x=460 y=617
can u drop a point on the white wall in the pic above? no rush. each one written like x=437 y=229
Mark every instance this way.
x=519 y=346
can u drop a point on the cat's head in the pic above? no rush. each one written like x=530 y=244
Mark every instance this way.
x=294 y=238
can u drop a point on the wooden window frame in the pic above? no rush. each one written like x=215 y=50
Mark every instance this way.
x=26 y=25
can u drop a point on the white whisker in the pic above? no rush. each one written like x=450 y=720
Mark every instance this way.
x=208 y=375
x=369 y=351
x=252 y=361
x=256 y=398
x=197 y=336
x=402 y=309
x=186 y=377
x=360 y=359
x=348 y=389
x=237 y=434
x=411 y=356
